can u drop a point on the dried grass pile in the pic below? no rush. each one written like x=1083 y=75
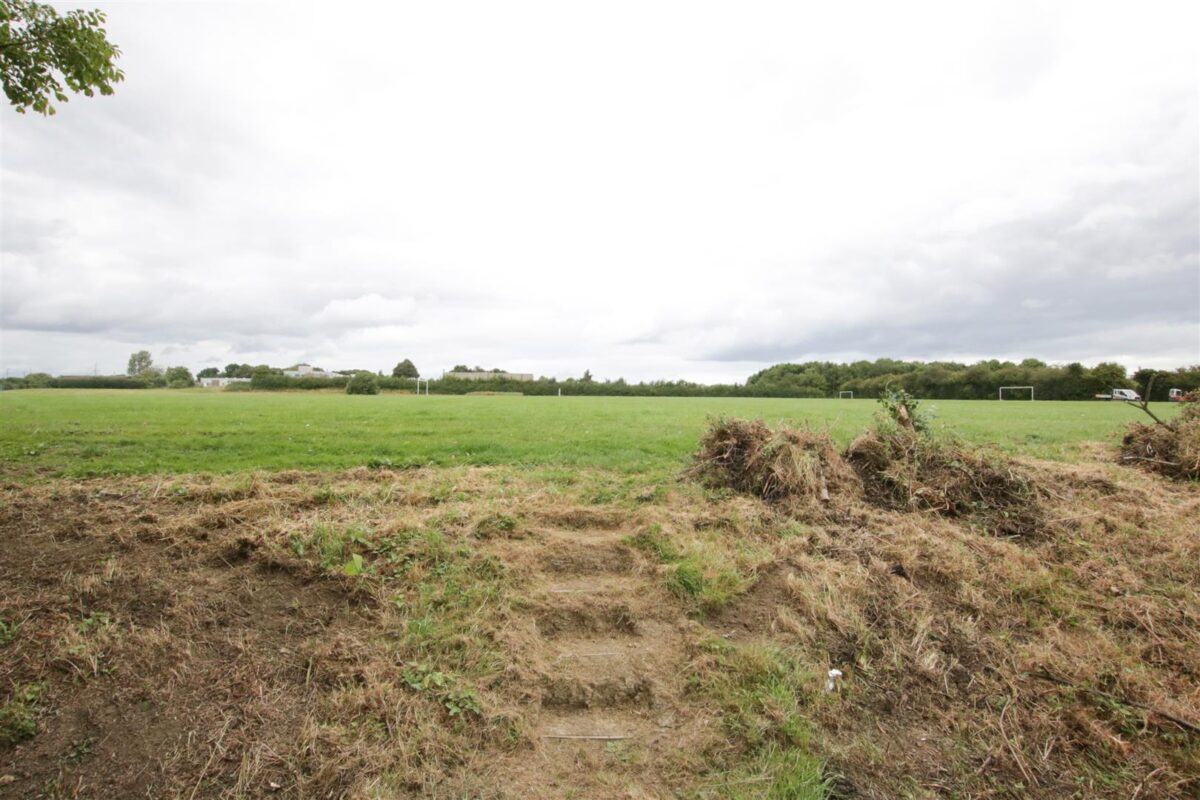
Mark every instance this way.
x=1170 y=448
x=777 y=465
x=906 y=470
x=1054 y=663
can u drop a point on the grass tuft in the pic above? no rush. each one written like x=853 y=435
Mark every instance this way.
x=18 y=715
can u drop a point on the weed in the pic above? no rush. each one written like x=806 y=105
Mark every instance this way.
x=324 y=496
x=761 y=693
x=652 y=541
x=793 y=529
x=81 y=750
x=778 y=773
x=707 y=576
x=334 y=547
x=94 y=621
x=760 y=690
x=17 y=716
x=446 y=592
x=703 y=573
x=496 y=525
x=8 y=631
x=458 y=701
x=900 y=408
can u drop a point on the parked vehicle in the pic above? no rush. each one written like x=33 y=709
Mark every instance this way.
x=1177 y=395
x=1129 y=395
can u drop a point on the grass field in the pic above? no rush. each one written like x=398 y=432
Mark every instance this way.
x=89 y=432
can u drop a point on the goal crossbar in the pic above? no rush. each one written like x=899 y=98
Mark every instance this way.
x=846 y=394
x=1010 y=388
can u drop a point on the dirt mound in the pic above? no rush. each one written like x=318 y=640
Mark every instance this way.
x=348 y=635
x=908 y=471
x=973 y=664
x=778 y=465
x=1171 y=448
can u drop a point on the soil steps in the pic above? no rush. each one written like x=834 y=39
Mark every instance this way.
x=608 y=657
x=598 y=585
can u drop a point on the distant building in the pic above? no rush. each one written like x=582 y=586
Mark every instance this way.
x=307 y=371
x=220 y=383
x=489 y=376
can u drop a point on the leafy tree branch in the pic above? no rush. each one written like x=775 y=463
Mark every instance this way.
x=43 y=55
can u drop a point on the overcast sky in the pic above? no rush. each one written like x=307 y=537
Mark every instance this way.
x=675 y=190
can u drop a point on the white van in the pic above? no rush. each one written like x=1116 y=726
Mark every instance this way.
x=1129 y=395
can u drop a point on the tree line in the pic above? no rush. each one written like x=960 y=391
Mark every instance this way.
x=934 y=380
x=946 y=380
x=949 y=380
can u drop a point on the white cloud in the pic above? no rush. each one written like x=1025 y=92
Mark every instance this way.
x=366 y=311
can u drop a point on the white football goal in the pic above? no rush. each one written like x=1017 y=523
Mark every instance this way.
x=1011 y=389
x=846 y=394
x=424 y=381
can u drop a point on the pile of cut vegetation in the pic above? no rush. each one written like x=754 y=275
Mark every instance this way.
x=1168 y=448
x=896 y=465
x=906 y=470
x=778 y=465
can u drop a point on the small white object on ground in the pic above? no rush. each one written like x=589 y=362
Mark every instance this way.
x=831 y=679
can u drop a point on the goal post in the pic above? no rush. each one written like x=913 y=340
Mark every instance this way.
x=1011 y=389
x=419 y=382
x=846 y=394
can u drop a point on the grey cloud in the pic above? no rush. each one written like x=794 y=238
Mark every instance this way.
x=1034 y=285
x=693 y=205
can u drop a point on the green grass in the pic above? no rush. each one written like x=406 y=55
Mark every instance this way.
x=762 y=693
x=17 y=715
x=98 y=432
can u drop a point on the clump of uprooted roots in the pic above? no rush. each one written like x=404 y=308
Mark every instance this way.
x=1169 y=448
x=778 y=465
x=910 y=471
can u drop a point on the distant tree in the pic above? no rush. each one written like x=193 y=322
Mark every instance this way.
x=43 y=55
x=461 y=368
x=38 y=380
x=179 y=377
x=1107 y=376
x=363 y=383
x=139 y=362
x=1032 y=363
x=587 y=376
x=152 y=376
x=208 y=372
x=405 y=369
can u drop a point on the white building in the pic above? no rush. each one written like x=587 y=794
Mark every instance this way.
x=220 y=383
x=307 y=371
x=488 y=376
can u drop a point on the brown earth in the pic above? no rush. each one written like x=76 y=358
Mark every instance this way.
x=195 y=638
